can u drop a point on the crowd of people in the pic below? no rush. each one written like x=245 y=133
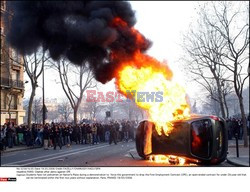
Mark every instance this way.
x=65 y=134
x=235 y=127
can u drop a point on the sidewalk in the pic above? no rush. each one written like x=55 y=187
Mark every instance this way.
x=243 y=159
x=19 y=148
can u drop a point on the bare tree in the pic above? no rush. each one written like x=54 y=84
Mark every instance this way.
x=204 y=47
x=37 y=110
x=234 y=108
x=34 y=65
x=84 y=79
x=227 y=89
x=52 y=115
x=231 y=21
x=91 y=108
x=210 y=106
x=65 y=110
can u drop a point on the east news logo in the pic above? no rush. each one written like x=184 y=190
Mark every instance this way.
x=7 y=178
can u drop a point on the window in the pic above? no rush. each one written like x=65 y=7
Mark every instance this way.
x=15 y=75
x=201 y=138
x=3 y=100
x=15 y=56
x=3 y=5
x=13 y=104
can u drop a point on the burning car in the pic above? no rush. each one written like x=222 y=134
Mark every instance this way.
x=198 y=139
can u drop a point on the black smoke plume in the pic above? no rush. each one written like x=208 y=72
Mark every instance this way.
x=81 y=31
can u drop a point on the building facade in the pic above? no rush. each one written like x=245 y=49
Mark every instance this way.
x=11 y=81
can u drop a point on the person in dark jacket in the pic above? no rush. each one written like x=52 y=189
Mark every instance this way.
x=46 y=137
x=60 y=136
x=84 y=133
x=50 y=137
x=99 y=133
x=77 y=134
x=229 y=128
x=63 y=135
x=19 y=135
x=56 y=137
x=235 y=127
x=71 y=133
x=9 y=135
x=113 y=134
x=67 y=136
x=29 y=137
x=3 y=137
x=34 y=133
x=126 y=131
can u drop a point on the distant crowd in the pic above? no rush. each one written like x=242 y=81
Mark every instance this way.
x=235 y=127
x=65 y=134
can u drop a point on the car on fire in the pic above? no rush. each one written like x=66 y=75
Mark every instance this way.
x=200 y=139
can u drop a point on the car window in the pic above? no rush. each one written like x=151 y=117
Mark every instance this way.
x=201 y=138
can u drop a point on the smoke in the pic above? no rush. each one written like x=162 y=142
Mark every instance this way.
x=81 y=31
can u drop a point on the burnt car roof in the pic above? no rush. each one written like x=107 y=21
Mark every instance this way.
x=193 y=117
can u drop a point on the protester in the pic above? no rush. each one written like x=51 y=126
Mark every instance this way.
x=56 y=136
x=84 y=133
x=60 y=134
x=89 y=134
x=3 y=137
x=113 y=134
x=94 y=133
x=9 y=135
x=46 y=137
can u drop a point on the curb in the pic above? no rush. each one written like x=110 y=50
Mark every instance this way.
x=234 y=146
x=22 y=149
x=236 y=164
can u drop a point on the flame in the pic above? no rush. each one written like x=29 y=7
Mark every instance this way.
x=145 y=74
x=196 y=142
x=142 y=73
x=173 y=160
x=169 y=159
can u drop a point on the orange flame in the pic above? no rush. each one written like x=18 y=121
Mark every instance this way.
x=142 y=73
x=169 y=159
x=173 y=160
x=196 y=143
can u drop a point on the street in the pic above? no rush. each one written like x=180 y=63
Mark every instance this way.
x=122 y=154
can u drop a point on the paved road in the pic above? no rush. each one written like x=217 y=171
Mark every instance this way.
x=122 y=154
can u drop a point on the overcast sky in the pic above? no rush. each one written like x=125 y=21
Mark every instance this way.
x=163 y=23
